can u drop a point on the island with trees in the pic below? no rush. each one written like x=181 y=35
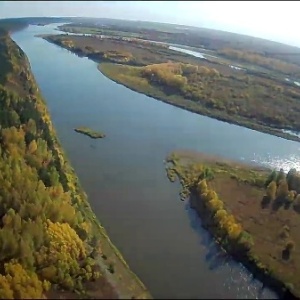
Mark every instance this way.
x=252 y=212
x=51 y=243
x=256 y=94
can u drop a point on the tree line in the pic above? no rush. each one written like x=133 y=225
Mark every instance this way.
x=48 y=235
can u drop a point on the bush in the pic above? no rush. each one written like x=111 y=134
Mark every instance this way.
x=285 y=232
x=271 y=190
x=290 y=246
x=245 y=241
x=297 y=203
x=111 y=268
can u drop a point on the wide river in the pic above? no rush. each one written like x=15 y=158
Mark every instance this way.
x=160 y=237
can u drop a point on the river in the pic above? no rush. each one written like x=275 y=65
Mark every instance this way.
x=160 y=237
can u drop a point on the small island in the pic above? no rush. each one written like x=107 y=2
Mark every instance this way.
x=251 y=211
x=89 y=132
x=68 y=253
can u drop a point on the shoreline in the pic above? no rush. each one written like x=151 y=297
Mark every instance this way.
x=181 y=160
x=128 y=287
x=252 y=265
x=102 y=231
x=241 y=123
x=258 y=272
x=203 y=111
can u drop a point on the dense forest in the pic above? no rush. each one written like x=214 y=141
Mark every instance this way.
x=49 y=237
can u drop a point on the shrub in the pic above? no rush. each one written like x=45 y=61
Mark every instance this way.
x=290 y=246
x=297 y=203
x=285 y=232
x=111 y=268
x=271 y=190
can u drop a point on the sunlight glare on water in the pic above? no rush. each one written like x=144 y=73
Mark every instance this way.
x=119 y=171
x=277 y=163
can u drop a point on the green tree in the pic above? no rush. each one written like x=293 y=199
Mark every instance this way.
x=280 y=176
x=271 y=177
x=283 y=189
x=271 y=190
x=297 y=203
x=53 y=176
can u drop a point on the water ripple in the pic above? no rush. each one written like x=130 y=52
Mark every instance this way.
x=277 y=162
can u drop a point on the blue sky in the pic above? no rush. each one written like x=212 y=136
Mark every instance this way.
x=275 y=20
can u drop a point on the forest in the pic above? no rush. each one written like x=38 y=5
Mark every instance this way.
x=51 y=243
x=48 y=236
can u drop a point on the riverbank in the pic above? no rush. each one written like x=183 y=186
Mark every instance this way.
x=230 y=198
x=190 y=83
x=124 y=282
x=92 y=267
x=131 y=78
x=110 y=261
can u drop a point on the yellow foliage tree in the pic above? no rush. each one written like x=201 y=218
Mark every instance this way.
x=61 y=258
x=5 y=290
x=64 y=239
x=19 y=283
x=215 y=205
x=271 y=190
x=210 y=195
x=234 y=231
x=283 y=189
x=220 y=215
x=202 y=187
x=32 y=147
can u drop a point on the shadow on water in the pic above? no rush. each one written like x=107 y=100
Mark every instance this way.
x=135 y=123
x=216 y=258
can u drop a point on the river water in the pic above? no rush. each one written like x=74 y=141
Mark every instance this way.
x=160 y=237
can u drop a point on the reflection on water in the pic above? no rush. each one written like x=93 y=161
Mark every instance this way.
x=190 y=52
x=236 y=68
x=239 y=278
x=124 y=175
x=278 y=162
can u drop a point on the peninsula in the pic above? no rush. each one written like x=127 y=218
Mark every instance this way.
x=236 y=86
x=251 y=211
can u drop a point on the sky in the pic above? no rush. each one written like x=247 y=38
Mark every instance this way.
x=274 y=20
